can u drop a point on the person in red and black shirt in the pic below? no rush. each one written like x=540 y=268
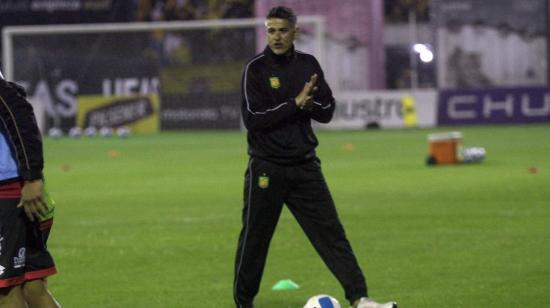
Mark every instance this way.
x=283 y=90
x=24 y=214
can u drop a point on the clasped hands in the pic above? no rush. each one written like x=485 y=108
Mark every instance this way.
x=304 y=100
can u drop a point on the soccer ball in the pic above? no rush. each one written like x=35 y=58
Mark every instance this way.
x=55 y=133
x=473 y=155
x=105 y=131
x=75 y=132
x=322 y=301
x=90 y=131
x=123 y=131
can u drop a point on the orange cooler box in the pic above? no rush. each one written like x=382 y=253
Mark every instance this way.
x=445 y=148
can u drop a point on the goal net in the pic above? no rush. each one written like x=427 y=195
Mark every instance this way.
x=147 y=76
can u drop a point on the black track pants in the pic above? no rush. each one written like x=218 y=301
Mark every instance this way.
x=303 y=189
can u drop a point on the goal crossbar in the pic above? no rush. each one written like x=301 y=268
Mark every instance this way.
x=8 y=33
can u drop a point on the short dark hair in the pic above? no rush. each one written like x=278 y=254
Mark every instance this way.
x=283 y=12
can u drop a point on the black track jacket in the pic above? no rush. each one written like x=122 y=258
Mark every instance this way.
x=278 y=130
x=19 y=127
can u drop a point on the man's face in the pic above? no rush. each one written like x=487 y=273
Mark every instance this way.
x=280 y=35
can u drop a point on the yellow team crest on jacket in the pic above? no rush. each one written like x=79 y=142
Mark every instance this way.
x=263 y=181
x=275 y=82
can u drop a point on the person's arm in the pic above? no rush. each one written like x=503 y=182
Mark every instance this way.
x=322 y=111
x=17 y=120
x=322 y=107
x=258 y=108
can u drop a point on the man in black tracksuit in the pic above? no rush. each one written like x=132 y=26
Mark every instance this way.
x=282 y=90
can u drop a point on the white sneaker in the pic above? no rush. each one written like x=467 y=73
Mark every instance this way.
x=365 y=302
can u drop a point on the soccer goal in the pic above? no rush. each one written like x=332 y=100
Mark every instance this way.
x=149 y=76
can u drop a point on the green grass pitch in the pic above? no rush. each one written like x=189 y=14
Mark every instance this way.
x=152 y=221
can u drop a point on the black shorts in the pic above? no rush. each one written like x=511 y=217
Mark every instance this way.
x=23 y=252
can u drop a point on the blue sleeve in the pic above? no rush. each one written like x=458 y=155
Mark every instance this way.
x=21 y=131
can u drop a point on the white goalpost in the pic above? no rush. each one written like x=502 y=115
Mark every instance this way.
x=186 y=72
x=10 y=32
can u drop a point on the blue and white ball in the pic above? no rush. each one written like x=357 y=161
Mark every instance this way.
x=322 y=301
x=473 y=155
x=105 y=131
x=75 y=132
x=90 y=131
x=55 y=133
x=123 y=131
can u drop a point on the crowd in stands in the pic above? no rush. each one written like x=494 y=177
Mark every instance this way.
x=199 y=46
x=166 y=10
